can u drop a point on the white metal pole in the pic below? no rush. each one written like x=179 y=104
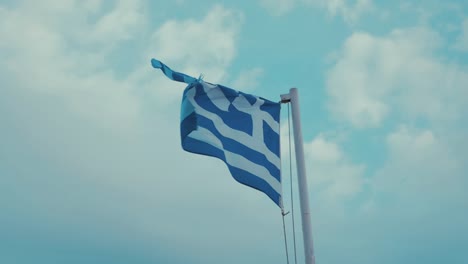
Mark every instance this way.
x=302 y=179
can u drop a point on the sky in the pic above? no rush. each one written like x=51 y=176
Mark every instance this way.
x=91 y=167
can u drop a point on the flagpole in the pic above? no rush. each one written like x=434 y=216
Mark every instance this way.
x=293 y=97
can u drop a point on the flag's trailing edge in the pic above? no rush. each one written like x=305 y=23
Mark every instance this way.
x=241 y=129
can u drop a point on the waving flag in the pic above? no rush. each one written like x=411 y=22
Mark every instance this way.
x=238 y=128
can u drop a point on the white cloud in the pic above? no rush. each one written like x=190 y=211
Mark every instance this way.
x=48 y=62
x=120 y=24
x=399 y=73
x=278 y=7
x=322 y=150
x=402 y=77
x=417 y=193
x=417 y=158
x=44 y=59
x=92 y=5
x=462 y=40
x=106 y=142
x=349 y=10
x=332 y=174
x=422 y=171
x=248 y=79
x=70 y=60
x=86 y=24
x=428 y=13
x=206 y=46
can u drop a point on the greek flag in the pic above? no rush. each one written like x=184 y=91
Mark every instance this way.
x=238 y=128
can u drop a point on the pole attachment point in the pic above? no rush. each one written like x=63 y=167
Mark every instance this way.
x=285 y=98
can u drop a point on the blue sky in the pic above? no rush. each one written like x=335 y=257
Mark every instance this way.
x=91 y=168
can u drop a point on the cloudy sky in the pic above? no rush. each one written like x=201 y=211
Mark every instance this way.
x=91 y=168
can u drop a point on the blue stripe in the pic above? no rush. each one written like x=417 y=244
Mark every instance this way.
x=240 y=175
x=230 y=94
x=188 y=124
x=187 y=89
x=199 y=147
x=272 y=108
x=233 y=118
x=236 y=147
x=173 y=75
x=250 y=98
x=271 y=139
x=253 y=181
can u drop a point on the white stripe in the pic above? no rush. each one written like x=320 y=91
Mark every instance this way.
x=236 y=135
x=243 y=105
x=237 y=160
x=258 y=116
x=216 y=96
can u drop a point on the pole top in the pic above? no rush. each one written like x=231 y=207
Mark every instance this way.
x=286 y=98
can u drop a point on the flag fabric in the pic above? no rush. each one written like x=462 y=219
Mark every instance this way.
x=241 y=129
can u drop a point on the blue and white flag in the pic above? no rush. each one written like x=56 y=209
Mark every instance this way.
x=241 y=129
